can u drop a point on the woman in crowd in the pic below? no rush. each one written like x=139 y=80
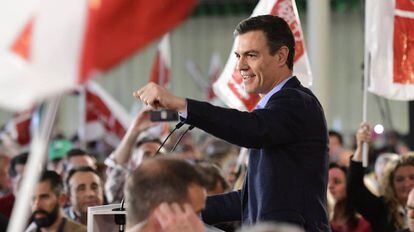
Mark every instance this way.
x=344 y=217
x=387 y=212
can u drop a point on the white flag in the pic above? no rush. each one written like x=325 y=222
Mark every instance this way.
x=229 y=86
x=62 y=44
x=389 y=44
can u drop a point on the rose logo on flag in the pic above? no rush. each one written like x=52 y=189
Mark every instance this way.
x=284 y=10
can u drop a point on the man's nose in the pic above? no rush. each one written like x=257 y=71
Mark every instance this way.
x=241 y=64
x=411 y=213
x=409 y=183
x=90 y=192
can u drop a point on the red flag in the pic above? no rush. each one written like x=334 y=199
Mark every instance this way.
x=105 y=117
x=115 y=29
x=404 y=42
x=389 y=43
x=161 y=69
x=20 y=127
x=229 y=86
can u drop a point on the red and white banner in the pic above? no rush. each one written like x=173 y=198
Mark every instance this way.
x=161 y=68
x=64 y=43
x=104 y=116
x=389 y=43
x=19 y=127
x=229 y=86
x=213 y=75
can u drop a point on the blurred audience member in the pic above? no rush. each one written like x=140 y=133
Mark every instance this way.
x=337 y=153
x=373 y=180
x=410 y=213
x=84 y=188
x=77 y=158
x=215 y=182
x=16 y=169
x=221 y=153
x=47 y=205
x=393 y=144
x=344 y=217
x=57 y=152
x=128 y=155
x=5 y=182
x=385 y=213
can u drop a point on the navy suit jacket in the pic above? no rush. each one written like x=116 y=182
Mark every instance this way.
x=288 y=162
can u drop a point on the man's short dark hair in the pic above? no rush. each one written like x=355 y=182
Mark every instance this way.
x=56 y=182
x=76 y=152
x=18 y=159
x=337 y=135
x=276 y=30
x=75 y=170
x=158 y=180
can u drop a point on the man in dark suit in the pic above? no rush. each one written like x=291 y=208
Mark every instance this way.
x=286 y=133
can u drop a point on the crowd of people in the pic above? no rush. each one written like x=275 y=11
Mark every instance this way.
x=294 y=177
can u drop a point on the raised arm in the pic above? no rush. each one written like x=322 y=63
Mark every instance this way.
x=141 y=122
x=366 y=203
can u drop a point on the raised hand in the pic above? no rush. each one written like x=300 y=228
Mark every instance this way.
x=363 y=135
x=176 y=218
x=157 y=96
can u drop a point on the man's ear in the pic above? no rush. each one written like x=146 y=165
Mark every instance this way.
x=282 y=55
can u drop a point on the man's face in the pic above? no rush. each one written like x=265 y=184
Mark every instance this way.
x=145 y=151
x=256 y=65
x=197 y=197
x=85 y=191
x=337 y=183
x=334 y=144
x=45 y=205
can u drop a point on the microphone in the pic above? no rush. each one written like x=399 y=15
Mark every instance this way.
x=181 y=137
x=180 y=124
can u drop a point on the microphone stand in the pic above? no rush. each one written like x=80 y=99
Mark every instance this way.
x=180 y=124
x=181 y=137
x=120 y=219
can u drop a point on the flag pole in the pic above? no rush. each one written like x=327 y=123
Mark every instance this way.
x=35 y=164
x=82 y=116
x=365 y=91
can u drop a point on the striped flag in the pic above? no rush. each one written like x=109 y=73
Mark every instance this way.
x=19 y=127
x=104 y=116
x=229 y=86
x=161 y=69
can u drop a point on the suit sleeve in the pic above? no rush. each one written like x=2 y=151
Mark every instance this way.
x=222 y=208
x=280 y=122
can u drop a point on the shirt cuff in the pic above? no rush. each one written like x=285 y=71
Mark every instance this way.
x=184 y=114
